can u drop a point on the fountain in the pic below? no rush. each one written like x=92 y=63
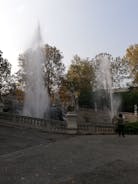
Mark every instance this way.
x=104 y=83
x=36 y=102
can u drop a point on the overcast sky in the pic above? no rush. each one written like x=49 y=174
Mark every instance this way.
x=83 y=27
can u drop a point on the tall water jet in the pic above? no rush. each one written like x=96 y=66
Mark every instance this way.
x=36 y=102
x=104 y=82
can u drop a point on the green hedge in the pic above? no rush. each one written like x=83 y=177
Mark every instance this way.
x=128 y=100
x=131 y=128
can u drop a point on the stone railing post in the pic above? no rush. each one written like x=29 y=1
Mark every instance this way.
x=71 y=120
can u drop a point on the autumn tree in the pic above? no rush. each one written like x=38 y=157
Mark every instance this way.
x=53 y=68
x=81 y=73
x=80 y=77
x=20 y=75
x=5 y=71
x=132 y=57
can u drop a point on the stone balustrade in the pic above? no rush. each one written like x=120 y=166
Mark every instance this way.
x=96 y=129
x=31 y=122
x=55 y=126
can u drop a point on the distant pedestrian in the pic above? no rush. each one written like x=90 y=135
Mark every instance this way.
x=120 y=125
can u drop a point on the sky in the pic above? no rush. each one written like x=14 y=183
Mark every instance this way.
x=83 y=27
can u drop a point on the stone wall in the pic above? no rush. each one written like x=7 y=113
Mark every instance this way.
x=101 y=117
x=89 y=116
x=130 y=117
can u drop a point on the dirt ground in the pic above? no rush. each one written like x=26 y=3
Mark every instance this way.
x=32 y=157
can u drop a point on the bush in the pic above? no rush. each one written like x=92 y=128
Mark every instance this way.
x=85 y=98
x=128 y=100
x=131 y=128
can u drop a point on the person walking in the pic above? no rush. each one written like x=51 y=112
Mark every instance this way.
x=121 y=125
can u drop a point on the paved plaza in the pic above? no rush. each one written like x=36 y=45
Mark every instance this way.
x=33 y=157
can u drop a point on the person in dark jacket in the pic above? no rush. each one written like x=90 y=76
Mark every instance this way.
x=120 y=125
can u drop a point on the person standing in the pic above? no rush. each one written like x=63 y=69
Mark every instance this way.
x=121 y=125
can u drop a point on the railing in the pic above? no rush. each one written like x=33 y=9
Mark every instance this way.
x=30 y=122
x=96 y=129
x=55 y=126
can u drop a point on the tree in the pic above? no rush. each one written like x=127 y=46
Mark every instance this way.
x=80 y=79
x=5 y=71
x=132 y=57
x=20 y=75
x=81 y=73
x=120 y=73
x=53 y=68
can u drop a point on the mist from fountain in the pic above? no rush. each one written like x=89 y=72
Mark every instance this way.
x=104 y=81
x=36 y=102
